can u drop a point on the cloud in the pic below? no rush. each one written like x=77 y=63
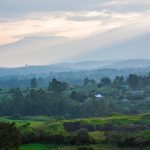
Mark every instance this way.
x=127 y=5
x=23 y=6
x=79 y=24
x=17 y=7
x=77 y=21
x=37 y=51
x=113 y=3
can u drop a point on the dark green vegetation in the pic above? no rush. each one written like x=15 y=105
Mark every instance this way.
x=122 y=102
x=20 y=77
x=129 y=95
x=63 y=147
x=9 y=136
x=131 y=131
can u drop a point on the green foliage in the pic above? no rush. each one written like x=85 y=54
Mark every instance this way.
x=33 y=147
x=63 y=100
x=105 y=81
x=9 y=137
x=80 y=136
x=57 y=86
x=126 y=138
x=75 y=147
x=52 y=131
x=98 y=136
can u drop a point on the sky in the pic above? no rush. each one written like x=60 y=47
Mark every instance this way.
x=41 y=32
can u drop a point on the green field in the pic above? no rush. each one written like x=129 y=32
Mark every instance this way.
x=60 y=147
x=35 y=127
x=33 y=147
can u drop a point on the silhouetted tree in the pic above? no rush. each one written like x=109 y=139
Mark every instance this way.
x=133 y=81
x=33 y=83
x=86 y=81
x=105 y=81
x=9 y=137
x=57 y=86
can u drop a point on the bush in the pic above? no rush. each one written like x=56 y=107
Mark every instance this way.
x=146 y=116
x=127 y=139
x=81 y=136
x=85 y=148
x=9 y=136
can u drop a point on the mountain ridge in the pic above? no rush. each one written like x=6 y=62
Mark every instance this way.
x=78 y=66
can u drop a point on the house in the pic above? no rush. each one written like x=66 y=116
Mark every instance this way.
x=125 y=100
x=99 y=96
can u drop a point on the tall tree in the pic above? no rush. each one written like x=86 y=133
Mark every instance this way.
x=105 y=81
x=133 y=81
x=86 y=81
x=33 y=83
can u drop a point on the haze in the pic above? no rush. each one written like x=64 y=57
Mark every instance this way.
x=39 y=32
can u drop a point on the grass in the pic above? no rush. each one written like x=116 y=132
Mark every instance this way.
x=29 y=126
x=33 y=147
x=54 y=126
x=63 y=147
x=116 y=120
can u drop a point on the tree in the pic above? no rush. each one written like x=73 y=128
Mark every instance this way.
x=118 y=82
x=105 y=81
x=33 y=83
x=133 y=81
x=9 y=137
x=18 y=104
x=78 y=96
x=82 y=136
x=57 y=86
x=86 y=81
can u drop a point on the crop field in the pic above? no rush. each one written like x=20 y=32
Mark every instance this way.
x=55 y=134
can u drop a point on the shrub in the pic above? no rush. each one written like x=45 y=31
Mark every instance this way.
x=9 y=136
x=81 y=136
x=127 y=138
x=85 y=148
x=146 y=116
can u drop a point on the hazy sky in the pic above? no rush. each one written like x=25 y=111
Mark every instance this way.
x=75 y=20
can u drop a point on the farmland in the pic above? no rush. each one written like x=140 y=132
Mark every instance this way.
x=50 y=133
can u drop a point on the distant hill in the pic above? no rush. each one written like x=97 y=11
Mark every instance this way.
x=55 y=49
x=79 y=66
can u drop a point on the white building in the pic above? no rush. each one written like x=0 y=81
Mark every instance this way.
x=99 y=96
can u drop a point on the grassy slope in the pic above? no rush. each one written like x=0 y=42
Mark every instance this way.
x=56 y=127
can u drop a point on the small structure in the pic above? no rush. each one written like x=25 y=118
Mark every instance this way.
x=125 y=100
x=99 y=96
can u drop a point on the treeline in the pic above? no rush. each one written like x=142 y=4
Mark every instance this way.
x=72 y=77
x=61 y=99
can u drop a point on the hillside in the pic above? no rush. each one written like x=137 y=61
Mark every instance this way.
x=79 y=66
x=135 y=127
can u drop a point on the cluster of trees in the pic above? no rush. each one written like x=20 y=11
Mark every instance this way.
x=73 y=77
x=65 y=100
x=41 y=102
x=138 y=82
x=133 y=81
